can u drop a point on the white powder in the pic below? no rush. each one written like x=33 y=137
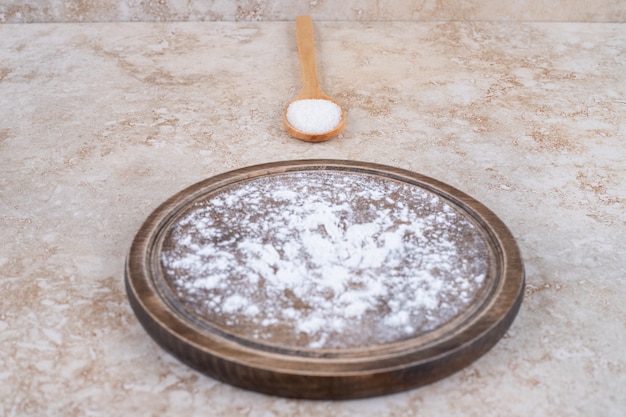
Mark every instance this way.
x=314 y=116
x=325 y=260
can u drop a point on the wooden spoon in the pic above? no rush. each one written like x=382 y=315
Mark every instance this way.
x=310 y=86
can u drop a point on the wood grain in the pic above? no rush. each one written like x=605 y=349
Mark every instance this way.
x=325 y=373
x=308 y=62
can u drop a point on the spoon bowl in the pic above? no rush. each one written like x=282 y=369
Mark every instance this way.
x=311 y=89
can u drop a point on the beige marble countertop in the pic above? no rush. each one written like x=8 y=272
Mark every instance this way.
x=63 y=11
x=99 y=123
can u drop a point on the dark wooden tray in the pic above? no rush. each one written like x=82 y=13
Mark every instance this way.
x=447 y=287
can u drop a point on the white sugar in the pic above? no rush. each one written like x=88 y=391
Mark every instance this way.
x=335 y=260
x=314 y=116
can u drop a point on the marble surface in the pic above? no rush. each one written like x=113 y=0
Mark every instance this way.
x=99 y=123
x=46 y=11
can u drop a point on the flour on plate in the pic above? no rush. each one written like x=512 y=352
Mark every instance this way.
x=320 y=259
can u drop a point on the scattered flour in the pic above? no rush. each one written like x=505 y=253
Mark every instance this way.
x=320 y=259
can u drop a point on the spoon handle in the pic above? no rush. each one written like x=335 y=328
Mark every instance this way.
x=306 y=52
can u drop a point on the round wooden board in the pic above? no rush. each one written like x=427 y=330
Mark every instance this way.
x=284 y=367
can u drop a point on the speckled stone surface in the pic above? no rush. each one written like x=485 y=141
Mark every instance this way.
x=99 y=123
x=42 y=11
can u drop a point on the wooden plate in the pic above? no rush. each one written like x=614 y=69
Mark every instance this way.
x=324 y=279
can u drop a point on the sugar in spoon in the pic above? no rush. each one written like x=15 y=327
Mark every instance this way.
x=312 y=115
